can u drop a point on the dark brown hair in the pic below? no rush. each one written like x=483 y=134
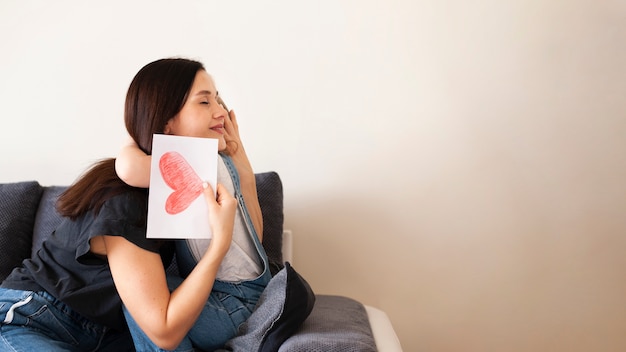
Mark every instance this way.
x=156 y=94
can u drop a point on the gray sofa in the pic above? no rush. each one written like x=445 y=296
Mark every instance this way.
x=322 y=322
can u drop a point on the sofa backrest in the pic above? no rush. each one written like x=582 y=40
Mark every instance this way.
x=18 y=206
x=28 y=215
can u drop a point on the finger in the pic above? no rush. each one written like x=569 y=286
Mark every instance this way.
x=233 y=117
x=228 y=122
x=221 y=102
x=230 y=128
x=223 y=195
x=208 y=193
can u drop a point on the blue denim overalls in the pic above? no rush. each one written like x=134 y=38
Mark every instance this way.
x=230 y=303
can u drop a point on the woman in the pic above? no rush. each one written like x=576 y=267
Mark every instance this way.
x=99 y=268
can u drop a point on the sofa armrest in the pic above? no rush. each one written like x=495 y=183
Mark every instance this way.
x=288 y=246
x=382 y=330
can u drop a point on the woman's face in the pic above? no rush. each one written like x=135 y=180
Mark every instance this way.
x=201 y=116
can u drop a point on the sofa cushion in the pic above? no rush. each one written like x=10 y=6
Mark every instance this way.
x=47 y=218
x=284 y=304
x=18 y=205
x=336 y=324
x=270 y=193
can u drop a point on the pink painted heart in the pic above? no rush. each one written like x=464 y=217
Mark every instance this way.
x=182 y=178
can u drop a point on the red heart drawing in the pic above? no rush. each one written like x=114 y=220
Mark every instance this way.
x=182 y=178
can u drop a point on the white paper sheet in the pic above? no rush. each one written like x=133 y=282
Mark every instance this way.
x=176 y=204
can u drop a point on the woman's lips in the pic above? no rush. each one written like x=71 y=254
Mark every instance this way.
x=218 y=128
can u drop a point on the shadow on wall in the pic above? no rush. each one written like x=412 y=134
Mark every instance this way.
x=352 y=246
x=343 y=243
x=476 y=271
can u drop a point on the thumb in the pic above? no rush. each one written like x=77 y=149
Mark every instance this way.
x=209 y=194
x=224 y=198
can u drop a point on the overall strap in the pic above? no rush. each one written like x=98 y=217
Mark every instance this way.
x=234 y=175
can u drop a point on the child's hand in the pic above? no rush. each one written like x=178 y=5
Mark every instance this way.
x=221 y=215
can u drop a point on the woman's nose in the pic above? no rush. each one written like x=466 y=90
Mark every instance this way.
x=218 y=111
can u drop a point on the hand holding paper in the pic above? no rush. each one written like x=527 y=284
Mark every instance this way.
x=179 y=167
x=222 y=213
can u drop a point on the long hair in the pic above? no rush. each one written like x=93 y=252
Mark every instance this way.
x=156 y=94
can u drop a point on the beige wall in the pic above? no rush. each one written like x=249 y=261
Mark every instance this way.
x=459 y=166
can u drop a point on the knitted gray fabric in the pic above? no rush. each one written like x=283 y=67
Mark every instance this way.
x=18 y=205
x=270 y=193
x=284 y=304
x=336 y=324
x=47 y=218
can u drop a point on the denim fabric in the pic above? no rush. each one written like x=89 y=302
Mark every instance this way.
x=229 y=305
x=244 y=210
x=36 y=321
